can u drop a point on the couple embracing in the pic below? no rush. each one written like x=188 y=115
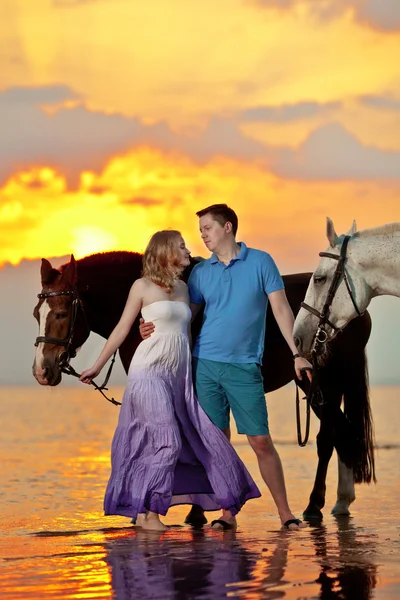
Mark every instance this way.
x=171 y=445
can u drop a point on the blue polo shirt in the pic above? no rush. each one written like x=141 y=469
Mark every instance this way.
x=235 y=298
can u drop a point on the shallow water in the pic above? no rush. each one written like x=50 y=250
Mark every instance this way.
x=55 y=542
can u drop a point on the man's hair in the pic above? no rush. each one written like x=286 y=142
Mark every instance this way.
x=222 y=214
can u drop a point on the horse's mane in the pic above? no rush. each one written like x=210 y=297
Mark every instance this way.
x=111 y=259
x=382 y=230
x=114 y=265
x=108 y=259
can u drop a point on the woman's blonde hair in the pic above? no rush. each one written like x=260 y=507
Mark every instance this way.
x=161 y=259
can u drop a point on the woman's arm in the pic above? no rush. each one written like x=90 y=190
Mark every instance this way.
x=120 y=332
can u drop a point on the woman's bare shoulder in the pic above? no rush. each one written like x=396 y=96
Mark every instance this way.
x=181 y=285
x=140 y=285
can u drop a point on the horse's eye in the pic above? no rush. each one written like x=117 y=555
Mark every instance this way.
x=319 y=279
x=61 y=315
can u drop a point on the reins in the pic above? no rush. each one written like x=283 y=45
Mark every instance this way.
x=311 y=400
x=69 y=370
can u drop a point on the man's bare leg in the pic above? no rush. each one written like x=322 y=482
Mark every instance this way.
x=271 y=471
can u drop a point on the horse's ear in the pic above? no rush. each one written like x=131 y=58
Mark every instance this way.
x=71 y=272
x=331 y=233
x=47 y=272
x=352 y=229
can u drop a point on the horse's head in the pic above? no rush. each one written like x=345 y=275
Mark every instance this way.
x=335 y=295
x=62 y=326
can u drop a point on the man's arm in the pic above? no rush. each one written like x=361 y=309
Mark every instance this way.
x=195 y=308
x=284 y=317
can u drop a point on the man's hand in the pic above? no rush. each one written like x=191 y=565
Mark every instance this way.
x=302 y=363
x=145 y=328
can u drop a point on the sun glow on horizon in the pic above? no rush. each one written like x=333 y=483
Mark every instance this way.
x=146 y=190
x=90 y=240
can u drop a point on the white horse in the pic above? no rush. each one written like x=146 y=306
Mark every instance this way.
x=370 y=267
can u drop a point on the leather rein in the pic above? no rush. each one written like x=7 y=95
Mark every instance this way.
x=69 y=351
x=321 y=337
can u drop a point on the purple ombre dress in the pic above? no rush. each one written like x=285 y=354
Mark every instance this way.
x=165 y=450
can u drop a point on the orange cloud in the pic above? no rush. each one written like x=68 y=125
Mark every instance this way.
x=140 y=192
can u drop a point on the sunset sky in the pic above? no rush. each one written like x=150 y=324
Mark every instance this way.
x=122 y=117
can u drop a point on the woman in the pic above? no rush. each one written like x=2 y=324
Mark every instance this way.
x=165 y=449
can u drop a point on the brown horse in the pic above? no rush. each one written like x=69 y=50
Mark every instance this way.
x=90 y=294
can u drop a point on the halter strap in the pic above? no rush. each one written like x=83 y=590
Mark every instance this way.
x=321 y=336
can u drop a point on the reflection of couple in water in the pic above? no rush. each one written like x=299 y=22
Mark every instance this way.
x=337 y=566
x=171 y=445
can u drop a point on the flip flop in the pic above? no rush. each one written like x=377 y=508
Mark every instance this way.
x=292 y=522
x=224 y=524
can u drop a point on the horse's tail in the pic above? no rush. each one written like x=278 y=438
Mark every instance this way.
x=358 y=412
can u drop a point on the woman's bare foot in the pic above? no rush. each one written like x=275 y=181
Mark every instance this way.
x=152 y=523
x=140 y=519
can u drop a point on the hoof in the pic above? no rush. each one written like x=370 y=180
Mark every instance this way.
x=312 y=513
x=340 y=509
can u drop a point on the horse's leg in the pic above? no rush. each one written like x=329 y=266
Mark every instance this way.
x=328 y=414
x=346 y=493
x=324 y=449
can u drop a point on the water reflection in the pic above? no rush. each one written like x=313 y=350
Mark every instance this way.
x=348 y=573
x=187 y=565
x=335 y=564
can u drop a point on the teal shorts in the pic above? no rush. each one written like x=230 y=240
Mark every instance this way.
x=221 y=387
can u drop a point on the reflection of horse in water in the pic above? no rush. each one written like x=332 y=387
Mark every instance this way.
x=346 y=571
x=90 y=294
x=193 y=565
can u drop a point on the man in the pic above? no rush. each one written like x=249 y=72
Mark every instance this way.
x=234 y=286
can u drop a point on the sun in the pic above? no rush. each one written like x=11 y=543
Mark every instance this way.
x=89 y=239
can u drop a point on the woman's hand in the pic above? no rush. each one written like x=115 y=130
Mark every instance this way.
x=89 y=374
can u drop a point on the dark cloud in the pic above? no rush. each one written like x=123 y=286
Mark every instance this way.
x=33 y=184
x=143 y=201
x=76 y=139
x=98 y=190
x=331 y=152
x=287 y=112
x=379 y=14
x=51 y=94
x=381 y=102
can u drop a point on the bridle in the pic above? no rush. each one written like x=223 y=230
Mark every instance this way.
x=321 y=335
x=69 y=351
x=315 y=396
